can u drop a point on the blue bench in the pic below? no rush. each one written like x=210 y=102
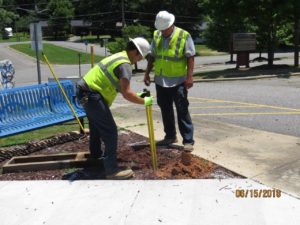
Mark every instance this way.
x=31 y=107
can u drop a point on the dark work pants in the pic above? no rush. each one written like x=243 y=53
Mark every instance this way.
x=102 y=127
x=165 y=99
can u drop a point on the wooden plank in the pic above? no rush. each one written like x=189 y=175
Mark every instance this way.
x=42 y=158
x=47 y=162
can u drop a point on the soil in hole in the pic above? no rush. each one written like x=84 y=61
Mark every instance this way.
x=173 y=163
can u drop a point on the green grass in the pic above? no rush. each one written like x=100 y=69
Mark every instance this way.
x=203 y=50
x=39 y=134
x=17 y=37
x=93 y=38
x=57 y=54
x=43 y=133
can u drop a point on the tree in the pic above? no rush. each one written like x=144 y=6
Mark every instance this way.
x=105 y=14
x=102 y=14
x=29 y=11
x=61 y=13
x=188 y=13
x=130 y=31
x=224 y=18
x=296 y=18
x=267 y=18
x=7 y=17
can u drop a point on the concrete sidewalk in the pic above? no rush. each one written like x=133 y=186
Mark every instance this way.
x=271 y=161
x=269 y=158
x=168 y=202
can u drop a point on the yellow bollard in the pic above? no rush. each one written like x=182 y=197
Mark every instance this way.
x=151 y=136
x=92 y=56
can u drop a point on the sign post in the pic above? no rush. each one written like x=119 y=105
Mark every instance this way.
x=36 y=44
x=243 y=44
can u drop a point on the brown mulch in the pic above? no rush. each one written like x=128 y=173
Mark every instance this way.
x=173 y=163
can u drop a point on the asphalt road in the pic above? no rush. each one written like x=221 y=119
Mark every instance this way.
x=268 y=104
x=265 y=104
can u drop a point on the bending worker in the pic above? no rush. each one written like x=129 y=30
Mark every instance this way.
x=172 y=54
x=96 y=92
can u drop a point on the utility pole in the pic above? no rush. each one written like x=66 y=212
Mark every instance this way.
x=123 y=15
x=35 y=36
x=36 y=45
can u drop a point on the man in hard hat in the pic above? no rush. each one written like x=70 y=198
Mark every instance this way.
x=172 y=54
x=96 y=92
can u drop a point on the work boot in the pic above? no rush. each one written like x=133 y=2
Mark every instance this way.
x=120 y=173
x=166 y=141
x=188 y=147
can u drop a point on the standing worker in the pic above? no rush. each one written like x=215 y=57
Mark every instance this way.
x=172 y=54
x=96 y=92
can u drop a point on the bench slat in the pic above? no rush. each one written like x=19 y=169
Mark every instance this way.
x=31 y=107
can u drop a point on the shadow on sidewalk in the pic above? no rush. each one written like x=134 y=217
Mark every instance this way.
x=281 y=70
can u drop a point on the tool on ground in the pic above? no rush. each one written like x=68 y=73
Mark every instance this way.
x=63 y=92
x=143 y=94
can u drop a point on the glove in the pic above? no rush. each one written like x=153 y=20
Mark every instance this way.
x=148 y=101
x=139 y=94
x=143 y=94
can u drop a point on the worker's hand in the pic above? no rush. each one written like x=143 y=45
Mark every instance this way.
x=148 y=101
x=188 y=82
x=147 y=79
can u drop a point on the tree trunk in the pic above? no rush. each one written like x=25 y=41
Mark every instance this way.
x=270 y=54
x=271 y=48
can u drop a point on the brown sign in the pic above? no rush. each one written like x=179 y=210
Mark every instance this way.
x=244 y=42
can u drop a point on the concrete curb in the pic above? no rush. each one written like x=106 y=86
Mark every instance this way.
x=198 y=80
x=248 y=77
x=23 y=54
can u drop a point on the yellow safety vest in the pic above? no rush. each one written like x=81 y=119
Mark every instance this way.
x=101 y=78
x=170 y=62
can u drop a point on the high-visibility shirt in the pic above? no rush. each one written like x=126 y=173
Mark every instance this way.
x=101 y=78
x=170 y=62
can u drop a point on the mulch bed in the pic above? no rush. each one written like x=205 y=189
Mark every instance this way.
x=173 y=163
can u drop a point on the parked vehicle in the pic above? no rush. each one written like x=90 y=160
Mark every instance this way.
x=7 y=32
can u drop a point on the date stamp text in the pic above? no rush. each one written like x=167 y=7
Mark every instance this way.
x=257 y=193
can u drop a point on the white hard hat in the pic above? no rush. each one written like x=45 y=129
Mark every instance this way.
x=142 y=45
x=164 y=20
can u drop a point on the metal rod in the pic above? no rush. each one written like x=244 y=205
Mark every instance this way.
x=151 y=137
x=64 y=93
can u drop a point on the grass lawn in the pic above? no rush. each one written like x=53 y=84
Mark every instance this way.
x=57 y=54
x=203 y=50
x=94 y=39
x=40 y=134
x=16 y=38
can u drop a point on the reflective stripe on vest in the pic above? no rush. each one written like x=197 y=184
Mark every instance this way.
x=104 y=67
x=170 y=62
x=102 y=78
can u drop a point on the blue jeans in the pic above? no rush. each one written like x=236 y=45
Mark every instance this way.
x=165 y=99
x=102 y=128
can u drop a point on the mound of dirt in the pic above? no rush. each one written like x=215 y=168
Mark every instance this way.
x=173 y=163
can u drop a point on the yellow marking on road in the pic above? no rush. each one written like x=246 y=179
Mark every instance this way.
x=198 y=102
x=246 y=114
x=226 y=107
x=250 y=104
